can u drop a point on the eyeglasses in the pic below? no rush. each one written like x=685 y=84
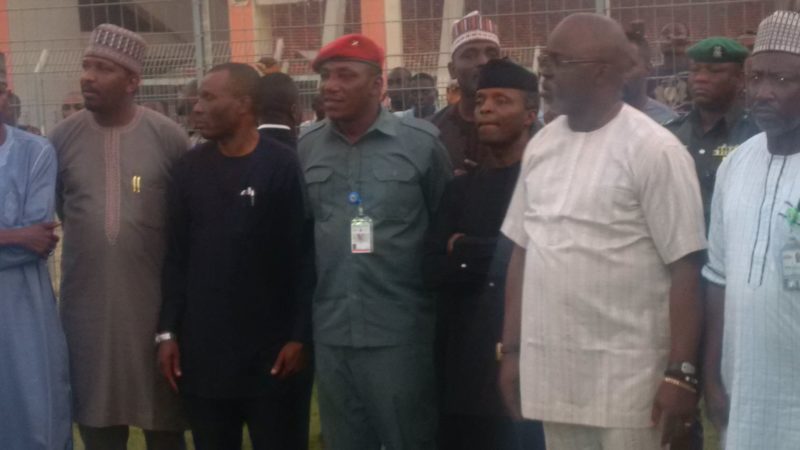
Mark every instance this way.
x=755 y=79
x=556 y=60
x=72 y=106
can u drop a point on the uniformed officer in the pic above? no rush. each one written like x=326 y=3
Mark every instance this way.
x=717 y=122
x=374 y=181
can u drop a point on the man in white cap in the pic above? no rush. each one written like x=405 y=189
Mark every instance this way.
x=752 y=387
x=475 y=42
x=114 y=160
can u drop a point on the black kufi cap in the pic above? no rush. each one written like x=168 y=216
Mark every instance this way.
x=503 y=73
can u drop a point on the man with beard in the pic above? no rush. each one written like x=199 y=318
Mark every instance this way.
x=466 y=263
x=238 y=278
x=752 y=390
x=374 y=182
x=475 y=42
x=114 y=160
x=717 y=122
x=603 y=315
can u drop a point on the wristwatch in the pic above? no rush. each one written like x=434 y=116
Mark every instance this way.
x=685 y=368
x=165 y=336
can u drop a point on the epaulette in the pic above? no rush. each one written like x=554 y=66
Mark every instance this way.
x=312 y=128
x=422 y=125
x=676 y=121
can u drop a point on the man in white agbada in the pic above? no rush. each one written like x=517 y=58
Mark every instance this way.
x=752 y=367
x=605 y=273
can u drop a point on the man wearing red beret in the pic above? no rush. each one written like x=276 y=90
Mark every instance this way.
x=374 y=181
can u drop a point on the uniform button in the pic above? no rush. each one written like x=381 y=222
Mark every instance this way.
x=463 y=265
x=491 y=284
x=702 y=151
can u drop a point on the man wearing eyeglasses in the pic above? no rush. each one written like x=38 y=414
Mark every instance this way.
x=718 y=121
x=602 y=287
x=751 y=385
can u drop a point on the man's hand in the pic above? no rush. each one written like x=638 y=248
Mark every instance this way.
x=717 y=403
x=451 y=243
x=39 y=238
x=508 y=380
x=292 y=359
x=678 y=408
x=169 y=362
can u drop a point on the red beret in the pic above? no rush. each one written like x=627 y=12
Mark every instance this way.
x=350 y=47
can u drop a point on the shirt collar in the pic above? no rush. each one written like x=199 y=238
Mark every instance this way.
x=274 y=126
x=728 y=120
x=385 y=123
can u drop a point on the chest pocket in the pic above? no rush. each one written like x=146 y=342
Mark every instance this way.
x=149 y=205
x=319 y=181
x=397 y=193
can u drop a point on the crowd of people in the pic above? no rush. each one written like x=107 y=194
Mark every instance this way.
x=488 y=276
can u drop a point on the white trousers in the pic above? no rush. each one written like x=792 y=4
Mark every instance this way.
x=560 y=436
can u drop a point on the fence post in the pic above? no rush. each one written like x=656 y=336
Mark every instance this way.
x=603 y=7
x=200 y=62
x=452 y=10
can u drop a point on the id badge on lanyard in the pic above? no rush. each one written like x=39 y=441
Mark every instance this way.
x=361 y=236
x=790 y=259
x=790 y=252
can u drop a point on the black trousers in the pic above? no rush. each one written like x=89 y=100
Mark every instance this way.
x=468 y=432
x=274 y=422
x=116 y=438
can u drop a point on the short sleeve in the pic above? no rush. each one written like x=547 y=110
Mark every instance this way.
x=714 y=270
x=670 y=200
x=514 y=222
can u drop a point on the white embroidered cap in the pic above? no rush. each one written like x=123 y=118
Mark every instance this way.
x=118 y=45
x=473 y=27
x=780 y=32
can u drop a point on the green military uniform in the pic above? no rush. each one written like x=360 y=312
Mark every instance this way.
x=709 y=148
x=373 y=319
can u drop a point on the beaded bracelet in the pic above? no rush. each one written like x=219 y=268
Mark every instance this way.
x=681 y=384
x=690 y=379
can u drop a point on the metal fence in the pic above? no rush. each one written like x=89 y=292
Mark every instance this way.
x=41 y=41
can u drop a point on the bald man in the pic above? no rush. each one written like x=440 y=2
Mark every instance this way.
x=72 y=103
x=608 y=230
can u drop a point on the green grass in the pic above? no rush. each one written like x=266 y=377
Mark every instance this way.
x=136 y=439
x=710 y=436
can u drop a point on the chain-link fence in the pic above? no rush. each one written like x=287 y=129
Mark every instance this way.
x=41 y=41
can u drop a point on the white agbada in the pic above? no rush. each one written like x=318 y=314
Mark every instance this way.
x=601 y=215
x=760 y=355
